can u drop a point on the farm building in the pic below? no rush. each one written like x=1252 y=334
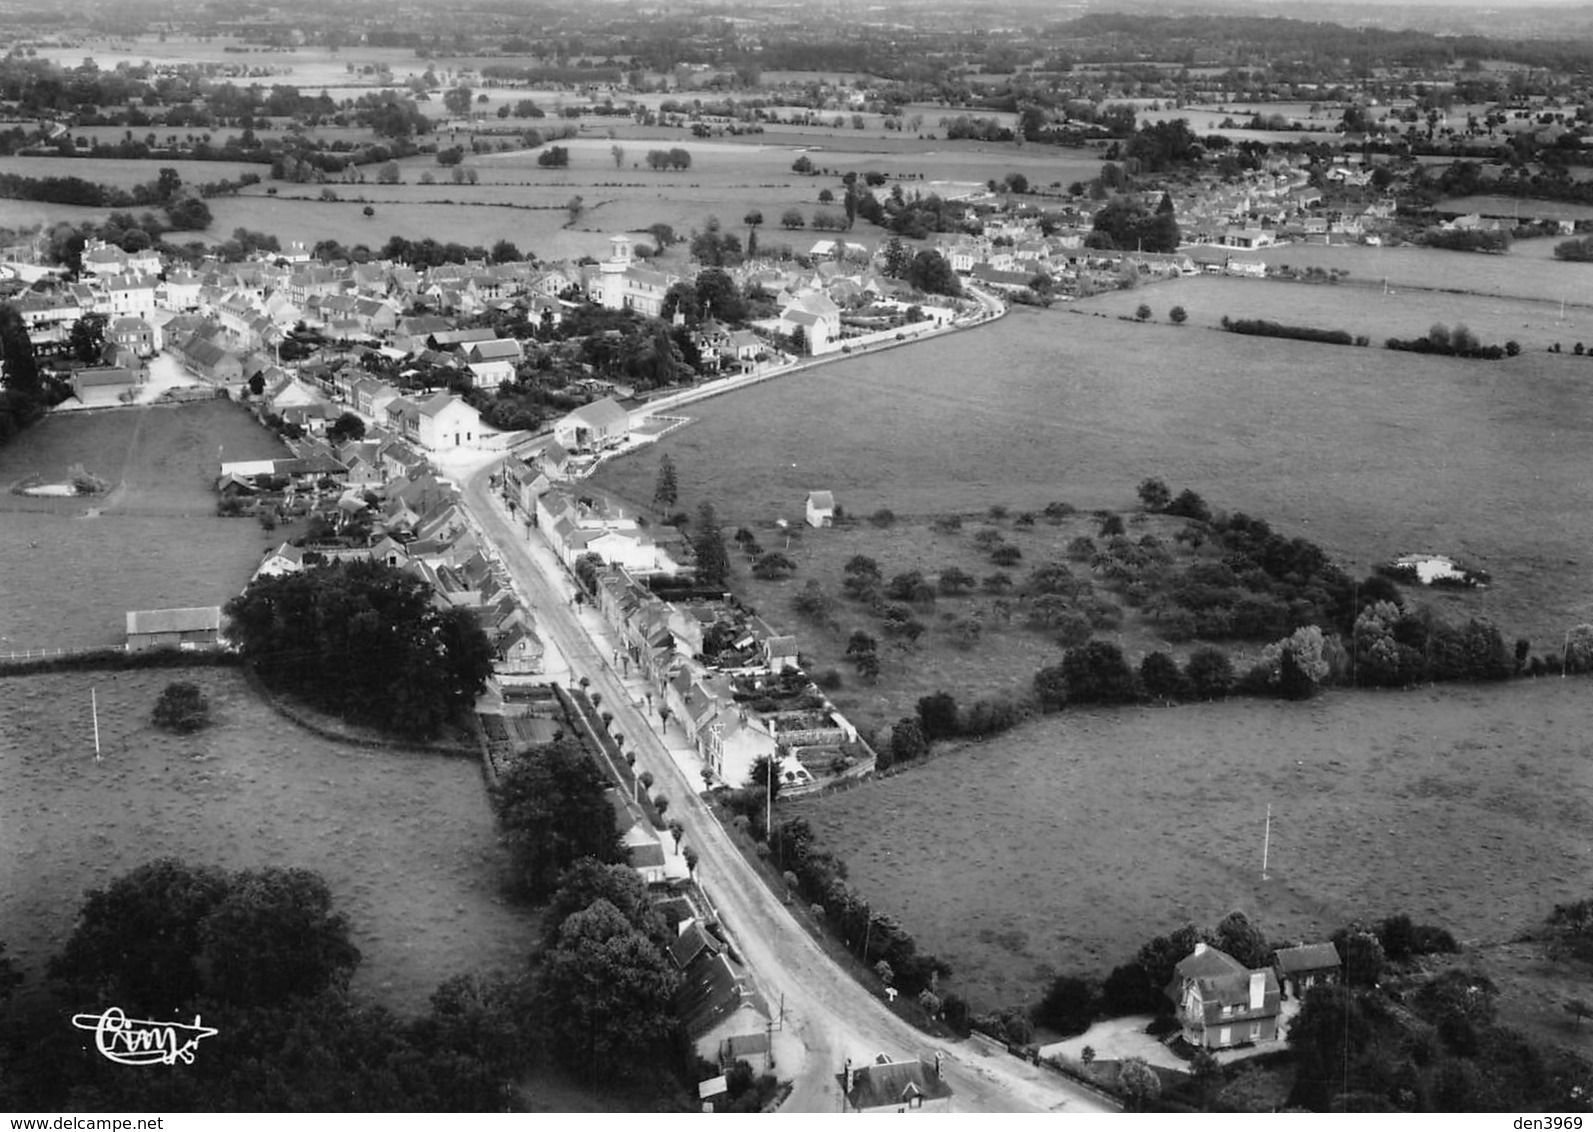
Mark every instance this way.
x=1301 y=968
x=110 y=379
x=198 y=628
x=821 y=509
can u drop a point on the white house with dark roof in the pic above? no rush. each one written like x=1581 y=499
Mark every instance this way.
x=820 y=509
x=492 y=362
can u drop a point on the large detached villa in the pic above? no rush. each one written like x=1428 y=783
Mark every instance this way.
x=1221 y=1002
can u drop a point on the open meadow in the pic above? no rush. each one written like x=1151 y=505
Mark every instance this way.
x=1368 y=453
x=1360 y=307
x=70 y=568
x=405 y=841
x=126 y=174
x=1065 y=845
x=1526 y=272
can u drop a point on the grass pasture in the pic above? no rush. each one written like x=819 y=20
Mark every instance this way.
x=1522 y=273
x=1367 y=452
x=70 y=568
x=516 y=199
x=405 y=841
x=1358 y=307
x=1064 y=846
x=126 y=174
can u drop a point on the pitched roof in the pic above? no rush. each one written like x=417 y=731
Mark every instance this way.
x=692 y=941
x=888 y=1083
x=821 y=500
x=196 y=620
x=604 y=414
x=1308 y=957
x=714 y=989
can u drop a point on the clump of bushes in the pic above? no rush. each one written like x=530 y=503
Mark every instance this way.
x=1457 y=343
x=182 y=707
x=1269 y=329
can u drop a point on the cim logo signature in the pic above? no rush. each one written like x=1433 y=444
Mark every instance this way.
x=138 y=1041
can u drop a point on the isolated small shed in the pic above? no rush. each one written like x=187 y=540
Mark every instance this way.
x=821 y=509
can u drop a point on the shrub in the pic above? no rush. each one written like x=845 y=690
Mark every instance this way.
x=992 y=716
x=1068 y=1006
x=884 y=517
x=1096 y=673
x=1269 y=329
x=829 y=680
x=997 y=583
x=1209 y=673
x=1189 y=505
x=954 y=1009
x=1083 y=549
x=1058 y=511
x=1160 y=677
x=907 y=740
x=182 y=707
x=1073 y=629
x=1006 y=555
x=937 y=716
x=954 y=581
x=1154 y=494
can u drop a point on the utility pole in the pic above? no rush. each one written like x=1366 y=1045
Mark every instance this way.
x=1266 y=842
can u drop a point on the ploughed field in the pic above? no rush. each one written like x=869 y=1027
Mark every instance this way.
x=405 y=841
x=1367 y=452
x=70 y=568
x=1064 y=845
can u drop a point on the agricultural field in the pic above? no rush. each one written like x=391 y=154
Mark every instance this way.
x=516 y=199
x=535 y=231
x=1359 y=307
x=1512 y=206
x=406 y=842
x=125 y=174
x=1368 y=453
x=70 y=568
x=1522 y=273
x=1065 y=845
x=309 y=66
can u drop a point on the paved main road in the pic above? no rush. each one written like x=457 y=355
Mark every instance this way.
x=831 y=1015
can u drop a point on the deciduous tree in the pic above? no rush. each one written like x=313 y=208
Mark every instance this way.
x=610 y=995
x=552 y=807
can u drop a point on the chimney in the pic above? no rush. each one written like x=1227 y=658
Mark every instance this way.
x=1200 y=948
x=937 y=1065
x=848 y=1075
x=1258 y=989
